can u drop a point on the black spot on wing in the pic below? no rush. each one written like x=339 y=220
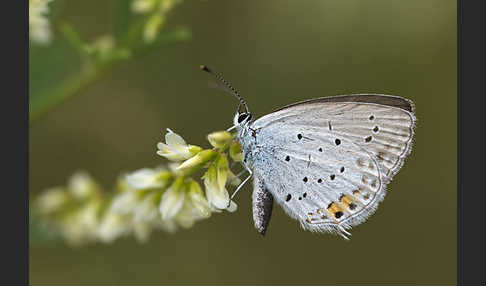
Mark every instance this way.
x=338 y=214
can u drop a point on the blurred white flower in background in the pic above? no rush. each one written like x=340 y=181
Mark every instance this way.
x=147 y=178
x=39 y=27
x=81 y=226
x=125 y=202
x=172 y=200
x=113 y=226
x=159 y=10
x=81 y=185
x=144 y=6
x=148 y=209
x=52 y=200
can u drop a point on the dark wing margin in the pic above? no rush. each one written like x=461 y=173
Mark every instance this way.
x=383 y=99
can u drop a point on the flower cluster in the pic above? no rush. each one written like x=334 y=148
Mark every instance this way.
x=39 y=28
x=164 y=198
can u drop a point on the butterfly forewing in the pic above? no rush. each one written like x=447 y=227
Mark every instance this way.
x=327 y=163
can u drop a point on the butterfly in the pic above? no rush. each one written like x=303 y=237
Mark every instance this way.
x=325 y=161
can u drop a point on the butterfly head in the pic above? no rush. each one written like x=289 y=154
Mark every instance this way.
x=241 y=118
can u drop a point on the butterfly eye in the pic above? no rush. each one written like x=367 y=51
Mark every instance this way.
x=242 y=117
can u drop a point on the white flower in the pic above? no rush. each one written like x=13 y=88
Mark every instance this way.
x=81 y=185
x=186 y=217
x=143 y=6
x=39 y=27
x=112 y=226
x=147 y=178
x=88 y=215
x=157 y=19
x=152 y=28
x=172 y=200
x=198 y=200
x=81 y=226
x=215 y=181
x=125 y=202
x=52 y=200
x=169 y=226
x=147 y=210
x=195 y=207
x=104 y=49
x=142 y=231
x=175 y=148
x=174 y=168
x=166 y=5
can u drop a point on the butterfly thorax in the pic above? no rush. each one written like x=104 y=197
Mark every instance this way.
x=247 y=137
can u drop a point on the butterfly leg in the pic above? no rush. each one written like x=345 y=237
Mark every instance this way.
x=237 y=176
x=231 y=128
x=240 y=185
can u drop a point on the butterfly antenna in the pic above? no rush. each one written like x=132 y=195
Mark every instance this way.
x=227 y=84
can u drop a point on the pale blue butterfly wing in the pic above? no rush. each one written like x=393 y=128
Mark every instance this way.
x=327 y=161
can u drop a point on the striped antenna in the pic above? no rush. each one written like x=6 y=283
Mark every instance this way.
x=233 y=90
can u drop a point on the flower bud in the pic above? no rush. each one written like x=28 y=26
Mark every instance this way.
x=82 y=186
x=220 y=139
x=198 y=160
x=235 y=151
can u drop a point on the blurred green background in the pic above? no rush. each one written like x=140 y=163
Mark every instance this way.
x=275 y=53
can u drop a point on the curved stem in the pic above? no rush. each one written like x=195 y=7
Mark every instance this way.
x=42 y=104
